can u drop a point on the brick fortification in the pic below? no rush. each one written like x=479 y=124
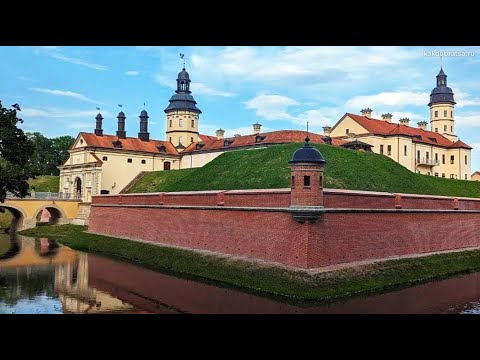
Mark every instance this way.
x=289 y=227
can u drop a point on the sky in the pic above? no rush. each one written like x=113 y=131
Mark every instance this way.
x=59 y=87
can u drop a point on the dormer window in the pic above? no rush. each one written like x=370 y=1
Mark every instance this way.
x=227 y=142
x=259 y=138
x=199 y=146
x=162 y=148
x=117 y=144
x=432 y=139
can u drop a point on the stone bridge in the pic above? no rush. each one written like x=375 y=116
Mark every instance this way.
x=27 y=211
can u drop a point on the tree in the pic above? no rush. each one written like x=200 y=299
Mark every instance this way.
x=42 y=160
x=60 y=146
x=15 y=151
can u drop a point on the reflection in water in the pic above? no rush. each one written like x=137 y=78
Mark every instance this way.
x=41 y=276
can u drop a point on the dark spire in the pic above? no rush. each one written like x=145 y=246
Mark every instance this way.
x=144 y=134
x=98 y=127
x=441 y=93
x=121 y=133
x=183 y=100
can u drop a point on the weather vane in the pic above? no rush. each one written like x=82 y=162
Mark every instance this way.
x=307 y=139
x=144 y=105
x=441 y=62
x=120 y=105
x=182 y=56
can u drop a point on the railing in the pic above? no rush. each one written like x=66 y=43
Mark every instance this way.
x=426 y=161
x=48 y=196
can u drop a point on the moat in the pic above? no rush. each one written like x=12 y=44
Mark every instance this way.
x=40 y=276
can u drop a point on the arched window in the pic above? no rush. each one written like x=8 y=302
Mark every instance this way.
x=170 y=122
x=180 y=122
x=193 y=123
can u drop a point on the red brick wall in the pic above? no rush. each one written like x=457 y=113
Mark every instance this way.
x=307 y=195
x=337 y=237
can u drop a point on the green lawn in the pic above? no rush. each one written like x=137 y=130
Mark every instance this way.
x=268 y=168
x=273 y=281
x=46 y=183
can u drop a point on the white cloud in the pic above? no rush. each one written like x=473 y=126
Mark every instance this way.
x=464 y=99
x=245 y=130
x=60 y=113
x=200 y=88
x=66 y=93
x=79 y=125
x=271 y=107
x=53 y=52
x=394 y=98
x=470 y=119
x=132 y=73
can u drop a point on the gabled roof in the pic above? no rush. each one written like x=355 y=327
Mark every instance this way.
x=206 y=137
x=476 y=173
x=129 y=143
x=268 y=138
x=382 y=127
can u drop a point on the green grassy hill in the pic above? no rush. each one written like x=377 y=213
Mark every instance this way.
x=268 y=168
x=46 y=183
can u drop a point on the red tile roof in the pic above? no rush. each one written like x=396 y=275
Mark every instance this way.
x=274 y=137
x=130 y=143
x=382 y=127
x=206 y=137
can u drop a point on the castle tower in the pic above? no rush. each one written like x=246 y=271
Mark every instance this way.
x=441 y=108
x=306 y=196
x=182 y=114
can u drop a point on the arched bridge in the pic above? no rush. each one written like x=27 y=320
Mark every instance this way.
x=27 y=211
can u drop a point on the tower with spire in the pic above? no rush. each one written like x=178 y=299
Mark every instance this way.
x=442 y=108
x=182 y=114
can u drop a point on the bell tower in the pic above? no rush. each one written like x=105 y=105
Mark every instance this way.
x=182 y=114
x=442 y=108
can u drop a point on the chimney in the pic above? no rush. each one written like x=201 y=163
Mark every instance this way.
x=387 y=117
x=367 y=112
x=422 y=125
x=404 y=121
x=327 y=130
x=144 y=134
x=220 y=132
x=98 y=128
x=256 y=128
x=121 y=133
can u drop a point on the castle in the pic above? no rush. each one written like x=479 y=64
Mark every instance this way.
x=106 y=164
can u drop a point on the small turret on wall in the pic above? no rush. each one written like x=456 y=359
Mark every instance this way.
x=121 y=133
x=220 y=133
x=306 y=197
x=367 y=112
x=98 y=127
x=256 y=128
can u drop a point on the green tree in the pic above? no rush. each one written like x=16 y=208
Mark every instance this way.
x=42 y=160
x=15 y=151
x=60 y=147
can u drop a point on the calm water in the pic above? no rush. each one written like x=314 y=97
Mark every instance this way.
x=41 y=276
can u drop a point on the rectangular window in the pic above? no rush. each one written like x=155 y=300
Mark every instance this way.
x=451 y=114
x=293 y=181
x=452 y=159
x=405 y=150
x=443 y=175
x=180 y=122
x=144 y=162
x=347 y=131
x=129 y=160
x=381 y=149
x=321 y=181
x=105 y=158
x=452 y=176
x=306 y=181
x=451 y=129
x=180 y=140
x=436 y=174
x=418 y=155
x=436 y=158
x=436 y=113
x=445 y=113
x=444 y=127
x=170 y=122
x=427 y=156
x=428 y=173
x=466 y=160
x=389 y=150
x=193 y=123
x=465 y=176
x=436 y=129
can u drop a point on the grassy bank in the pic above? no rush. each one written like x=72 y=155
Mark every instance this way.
x=268 y=168
x=270 y=280
x=5 y=220
x=46 y=183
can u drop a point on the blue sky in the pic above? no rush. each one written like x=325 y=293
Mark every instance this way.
x=59 y=88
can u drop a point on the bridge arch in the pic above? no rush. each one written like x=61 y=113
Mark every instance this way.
x=56 y=213
x=19 y=217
